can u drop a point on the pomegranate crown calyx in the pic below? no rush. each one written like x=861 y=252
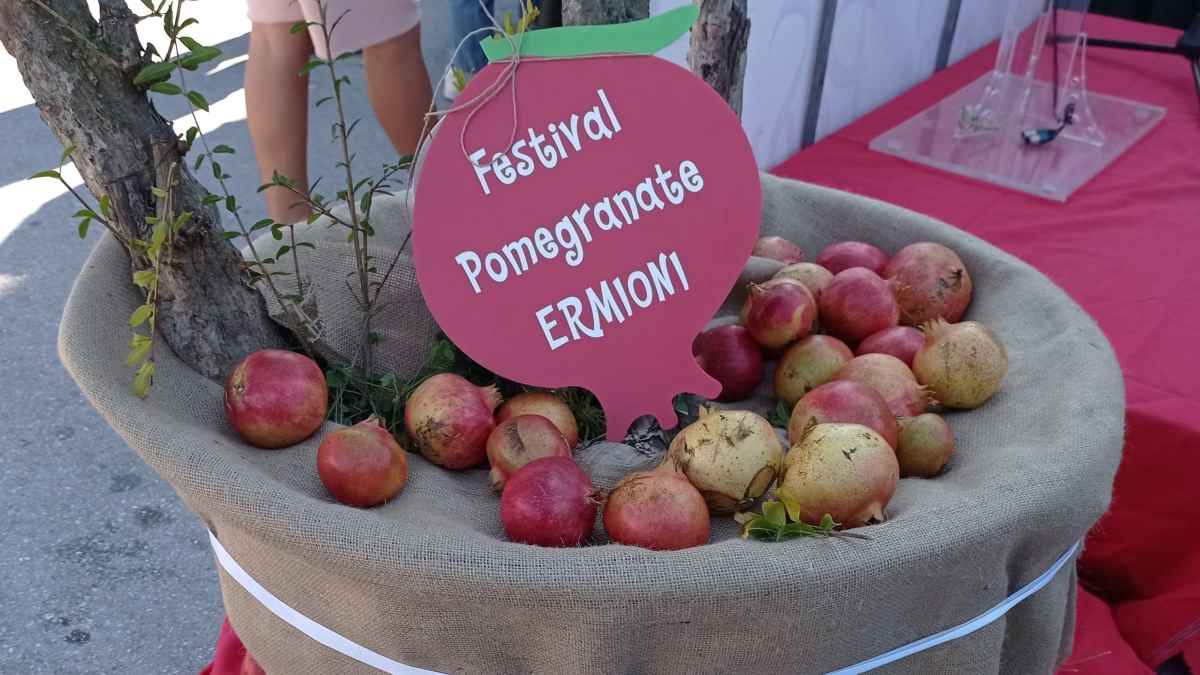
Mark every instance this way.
x=491 y=396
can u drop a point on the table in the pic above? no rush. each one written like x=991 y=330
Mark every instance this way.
x=1126 y=246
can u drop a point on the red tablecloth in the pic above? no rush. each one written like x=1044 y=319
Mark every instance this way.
x=1126 y=246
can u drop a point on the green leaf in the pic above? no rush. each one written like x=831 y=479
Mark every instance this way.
x=84 y=213
x=158 y=237
x=83 y=227
x=780 y=416
x=230 y=235
x=405 y=160
x=158 y=192
x=182 y=219
x=196 y=57
x=827 y=522
x=187 y=22
x=282 y=251
x=337 y=377
x=216 y=169
x=198 y=100
x=276 y=234
x=199 y=161
x=141 y=382
x=231 y=204
x=225 y=149
x=46 y=174
x=105 y=206
x=265 y=222
x=190 y=43
x=322 y=100
x=352 y=125
x=190 y=137
x=311 y=65
x=210 y=199
x=140 y=315
x=298 y=26
x=143 y=278
x=66 y=153
x=774 y=513
x=138 y=353
x=166 y=88
x=154 y=73
x=793 y=507
x=306 y=244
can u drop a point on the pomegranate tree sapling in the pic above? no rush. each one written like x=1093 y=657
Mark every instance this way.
x=843 y=401
x=731 y=456
x=846 y=254
x=856 y=304
x=731 y=357
x=891 y=379
x=926 y=444
x=807 y=364
x=844 y=470
x=962 y=364
x=931 y=282
x=658 y=510
x=518 y=441
x=549 y=502
x=778 y=248
x=275 y=398
x=450 y=419
x=546 y=404
x=902 y=342
x=814 y=277
x=362 y=465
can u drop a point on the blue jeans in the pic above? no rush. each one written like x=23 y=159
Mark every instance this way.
x=466 y=16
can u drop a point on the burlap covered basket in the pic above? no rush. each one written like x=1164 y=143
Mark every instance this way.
x=429 y=580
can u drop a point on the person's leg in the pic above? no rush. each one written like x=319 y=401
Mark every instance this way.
x=277 y=112
x=398 y=86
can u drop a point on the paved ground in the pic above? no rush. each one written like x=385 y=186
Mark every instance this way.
x=104 y=570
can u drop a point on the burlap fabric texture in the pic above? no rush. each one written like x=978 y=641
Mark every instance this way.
x=429 y=579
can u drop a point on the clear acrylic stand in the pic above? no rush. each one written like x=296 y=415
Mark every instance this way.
x=1040 y=73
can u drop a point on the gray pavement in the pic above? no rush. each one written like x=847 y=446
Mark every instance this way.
x=102 y=568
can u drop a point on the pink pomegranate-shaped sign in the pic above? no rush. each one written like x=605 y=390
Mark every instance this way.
x=590 y=242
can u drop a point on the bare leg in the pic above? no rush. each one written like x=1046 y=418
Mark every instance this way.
x=398 y=86
x=277 y=112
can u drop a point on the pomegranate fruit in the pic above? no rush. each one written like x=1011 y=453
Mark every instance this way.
x=931 y=282
x=926 y=444
x=845 y=470
x=814 y=277
x=658 y=510
x=732 y=357
x=275 y=398
x=450 y=419
x=518 y=441
x=362 y=465
x=778 y=248
x=731 y=456
x=962 y=364
x=780 y=313
x=549 y=502
x=891 y=379
x=809 y=363
x=856 y=304
x=846 y=254
x=843 y=401
x=902 y=342
x=548 y=405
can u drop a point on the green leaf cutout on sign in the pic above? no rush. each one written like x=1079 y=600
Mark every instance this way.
x=646 y=36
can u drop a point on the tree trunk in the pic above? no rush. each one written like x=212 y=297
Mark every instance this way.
x=592 y=12
x=717 y=52
x=718 y=48
x=207 y=313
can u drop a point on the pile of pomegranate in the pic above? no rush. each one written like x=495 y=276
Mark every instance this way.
x=859 y=348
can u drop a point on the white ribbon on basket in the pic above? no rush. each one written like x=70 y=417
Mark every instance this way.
x=350 y=648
